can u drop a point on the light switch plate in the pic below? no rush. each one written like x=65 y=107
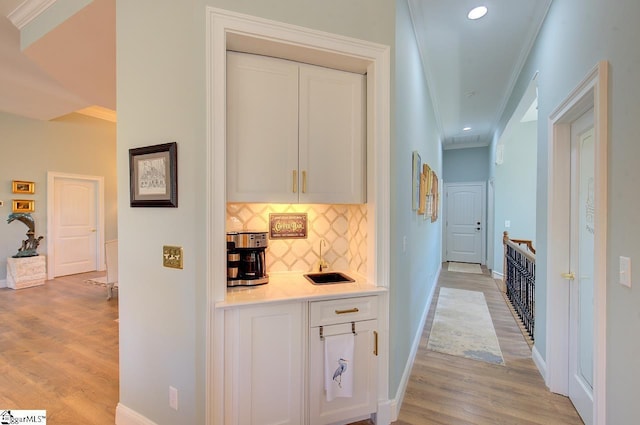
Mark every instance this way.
x=625 y=271
x=507 y=223
x=172 y=256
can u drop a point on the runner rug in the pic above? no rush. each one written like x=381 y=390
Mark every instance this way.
x=462 y=326
x=464 y=268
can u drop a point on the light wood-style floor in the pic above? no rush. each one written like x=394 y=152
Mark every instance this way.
x=450 y=390
x=59 y=351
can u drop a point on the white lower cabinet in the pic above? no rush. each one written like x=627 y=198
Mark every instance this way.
x=268 y=347
x=264 y=364
x=357 y=316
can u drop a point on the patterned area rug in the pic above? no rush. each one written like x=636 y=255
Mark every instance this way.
x=465 y=268
x=462 y=327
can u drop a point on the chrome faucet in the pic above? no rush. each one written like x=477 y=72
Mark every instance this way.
x=322 y=264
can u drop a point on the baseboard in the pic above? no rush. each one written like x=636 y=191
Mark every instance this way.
x=496 y=275
x=396 y=402
x=3 y=283
x=539 y=362
x=126 y=416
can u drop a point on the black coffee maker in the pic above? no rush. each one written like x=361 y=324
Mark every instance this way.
x=246 y=258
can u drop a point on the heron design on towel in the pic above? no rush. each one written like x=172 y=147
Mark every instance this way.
x=342 y=368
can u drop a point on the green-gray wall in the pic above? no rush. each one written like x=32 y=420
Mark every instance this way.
x=575 y=36
x=465 y=165
x=515 y=189
x=414 y=271
x=74 y=144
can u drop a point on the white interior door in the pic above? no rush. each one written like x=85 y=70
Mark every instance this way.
x=75 y=226
x=465 y=222
x=581 y=300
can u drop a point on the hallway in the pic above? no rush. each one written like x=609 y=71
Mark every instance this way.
x=450 y=390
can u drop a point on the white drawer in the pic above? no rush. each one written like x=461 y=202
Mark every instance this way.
x=343 y=310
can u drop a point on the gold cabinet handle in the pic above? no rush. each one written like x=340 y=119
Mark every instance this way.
x=295 y=181
x=304 y=182
x=568 y=276
x=351 y=310
x=375 y=343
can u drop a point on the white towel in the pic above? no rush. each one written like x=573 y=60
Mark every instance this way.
x=338 y=365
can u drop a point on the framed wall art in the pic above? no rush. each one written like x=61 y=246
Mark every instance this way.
x=153 y=176
x=23 y=187
x=23 y=205
x=416 y=168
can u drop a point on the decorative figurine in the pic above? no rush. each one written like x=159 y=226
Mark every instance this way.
x=29 y=245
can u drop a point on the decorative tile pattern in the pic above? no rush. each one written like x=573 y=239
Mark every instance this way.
x=343 y=227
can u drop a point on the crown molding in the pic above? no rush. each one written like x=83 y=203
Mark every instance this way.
x=28 y=11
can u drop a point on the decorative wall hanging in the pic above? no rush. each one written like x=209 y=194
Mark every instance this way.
x=23 y=187
x=416 y=168
x=23 y=205
x=153 y=176
x=435 y=196
x=288 y=226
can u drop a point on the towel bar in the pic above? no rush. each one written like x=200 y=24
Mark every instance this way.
x=353 y=330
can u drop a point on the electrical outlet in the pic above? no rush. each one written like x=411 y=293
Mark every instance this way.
x=173 y=398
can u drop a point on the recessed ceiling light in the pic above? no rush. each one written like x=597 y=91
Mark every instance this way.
x=466 y=129
x=477 y=12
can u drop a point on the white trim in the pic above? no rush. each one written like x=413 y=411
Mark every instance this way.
x=396 y=402
x=29 y=10
x=127 y=416
x=539 y=361
x=221 y=26
x=483 y=215
x=591 y=92
x=3 y=283
x=99 y=181
x=497 y=275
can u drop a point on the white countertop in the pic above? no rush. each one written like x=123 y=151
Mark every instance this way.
x=293 y=286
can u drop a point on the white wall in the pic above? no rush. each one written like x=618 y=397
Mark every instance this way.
x=161 y=98
x=73 y=144
x=576 y=35
x=414 y=271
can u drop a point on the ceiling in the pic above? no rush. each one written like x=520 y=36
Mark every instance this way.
x=69 y=69
x=470 y=66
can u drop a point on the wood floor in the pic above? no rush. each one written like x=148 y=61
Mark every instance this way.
x=450 y=390
x=59 y=351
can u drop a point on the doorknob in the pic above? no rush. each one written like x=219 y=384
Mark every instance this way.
x=568 y=276
x=93 y=230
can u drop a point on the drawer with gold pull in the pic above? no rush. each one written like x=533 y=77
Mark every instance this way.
x=343 y=310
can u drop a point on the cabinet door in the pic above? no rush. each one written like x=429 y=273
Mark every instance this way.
x=262 y=129
x=332 y=136
x=364 y=400
x=264 y=361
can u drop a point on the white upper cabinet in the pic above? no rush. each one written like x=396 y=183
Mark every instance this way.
x=295 y=132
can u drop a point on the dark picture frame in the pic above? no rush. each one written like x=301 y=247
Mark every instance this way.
x=153 y=176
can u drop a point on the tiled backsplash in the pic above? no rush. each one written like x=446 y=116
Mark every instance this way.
x=343 y=227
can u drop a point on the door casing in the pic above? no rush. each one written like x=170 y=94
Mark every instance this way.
x=591 y=92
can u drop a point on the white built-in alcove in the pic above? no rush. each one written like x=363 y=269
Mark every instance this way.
x=232 y=31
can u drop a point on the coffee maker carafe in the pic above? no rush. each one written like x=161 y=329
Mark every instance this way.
x=246 y=258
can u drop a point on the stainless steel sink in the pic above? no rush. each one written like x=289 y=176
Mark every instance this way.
x=327 y=278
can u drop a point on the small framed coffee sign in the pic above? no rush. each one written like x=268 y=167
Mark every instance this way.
x=288 y=226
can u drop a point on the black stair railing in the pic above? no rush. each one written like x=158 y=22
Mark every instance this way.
x=520 y=279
